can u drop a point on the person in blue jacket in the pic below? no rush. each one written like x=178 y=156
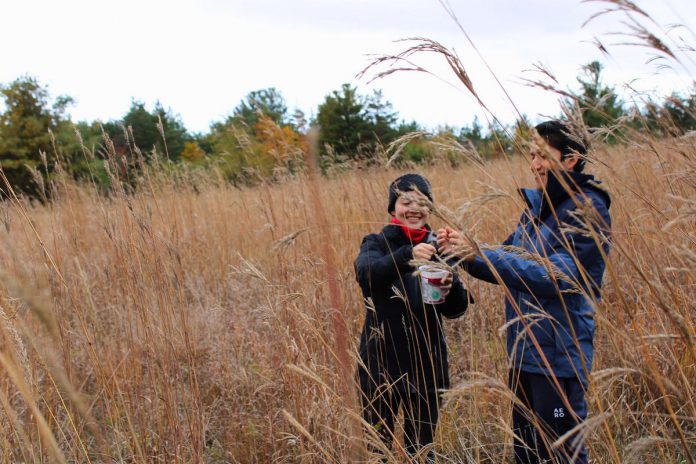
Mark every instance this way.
x=403 y=354
x=552 y=267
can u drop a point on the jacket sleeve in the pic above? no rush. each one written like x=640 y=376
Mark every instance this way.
x=375 y=269
x=546 y=280
x=480 y=270
x=457 y=300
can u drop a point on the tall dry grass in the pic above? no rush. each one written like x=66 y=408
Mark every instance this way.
x=192 y=321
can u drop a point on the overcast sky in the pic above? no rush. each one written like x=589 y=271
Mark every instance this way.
x=200 y=58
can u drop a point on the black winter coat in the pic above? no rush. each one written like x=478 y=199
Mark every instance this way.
x=402 y=343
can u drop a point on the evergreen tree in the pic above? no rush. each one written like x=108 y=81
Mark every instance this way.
x=353 y=125
x=268 y=101
x=600 y=105
x=167 y=141
x=473 y=134
x=382 y=117
x=24 y=132
x=680 y=112
x=174 y=133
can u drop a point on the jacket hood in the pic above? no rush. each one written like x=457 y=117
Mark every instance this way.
x=577 y=181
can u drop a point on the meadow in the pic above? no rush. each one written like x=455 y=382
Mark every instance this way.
x=193 y=321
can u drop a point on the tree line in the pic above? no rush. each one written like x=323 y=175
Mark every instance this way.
x=262 y=140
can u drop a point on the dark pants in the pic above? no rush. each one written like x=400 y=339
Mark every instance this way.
x=545 y=417
x=381 y=407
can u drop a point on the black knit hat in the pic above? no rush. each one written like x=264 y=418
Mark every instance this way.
x=405 y=183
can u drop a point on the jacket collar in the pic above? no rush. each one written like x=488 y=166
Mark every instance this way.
x=541 y=207
x=533 y=199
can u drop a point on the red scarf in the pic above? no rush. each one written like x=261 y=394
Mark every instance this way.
x=414 y=235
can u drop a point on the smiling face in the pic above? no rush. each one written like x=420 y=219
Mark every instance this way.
x=410 y=211
x=546 y=158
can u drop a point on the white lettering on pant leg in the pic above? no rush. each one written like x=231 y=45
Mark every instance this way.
x=558 y=413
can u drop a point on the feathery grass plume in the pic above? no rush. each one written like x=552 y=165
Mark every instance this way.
x=422 y=45
x=687 y=213
x=397 y=293
x=160 y=129
x=624 y=6
x=553 y=87
x=38 y=179
x=639 y=448
x=471 y=207
x=284 y=242
x=403 y=62
x=611 y=373
x=580 y=434
x=395 y=148
x=327 y=456
x=480 y=380
x=634 y=19
x=648 y=39
x=248 y=268
x=550 y=267
x=468 y=153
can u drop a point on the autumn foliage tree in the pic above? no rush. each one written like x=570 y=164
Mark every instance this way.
x=257 y=141
x=282 y=143
x=267 y=102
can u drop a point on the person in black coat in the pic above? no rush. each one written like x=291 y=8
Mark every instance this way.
x=403 y=354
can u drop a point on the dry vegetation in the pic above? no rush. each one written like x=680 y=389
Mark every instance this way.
x=192 y=322
x=196 y=322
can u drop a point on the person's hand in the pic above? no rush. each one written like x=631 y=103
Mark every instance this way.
x=453 y=243
x=446 y=285
x=448 y=240
x=441 y=238
x=423 y=251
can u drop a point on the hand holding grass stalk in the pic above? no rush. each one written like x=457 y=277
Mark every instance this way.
x=423 y=252
x=454 y=243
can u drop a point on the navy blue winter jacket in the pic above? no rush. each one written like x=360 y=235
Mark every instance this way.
x=551 y=301
x=402 y=344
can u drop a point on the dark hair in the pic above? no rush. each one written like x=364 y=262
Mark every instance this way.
x=560 y=136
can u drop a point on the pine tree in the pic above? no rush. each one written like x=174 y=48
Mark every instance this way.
x=25 y=142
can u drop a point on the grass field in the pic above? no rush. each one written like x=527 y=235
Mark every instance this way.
x=192 y=321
